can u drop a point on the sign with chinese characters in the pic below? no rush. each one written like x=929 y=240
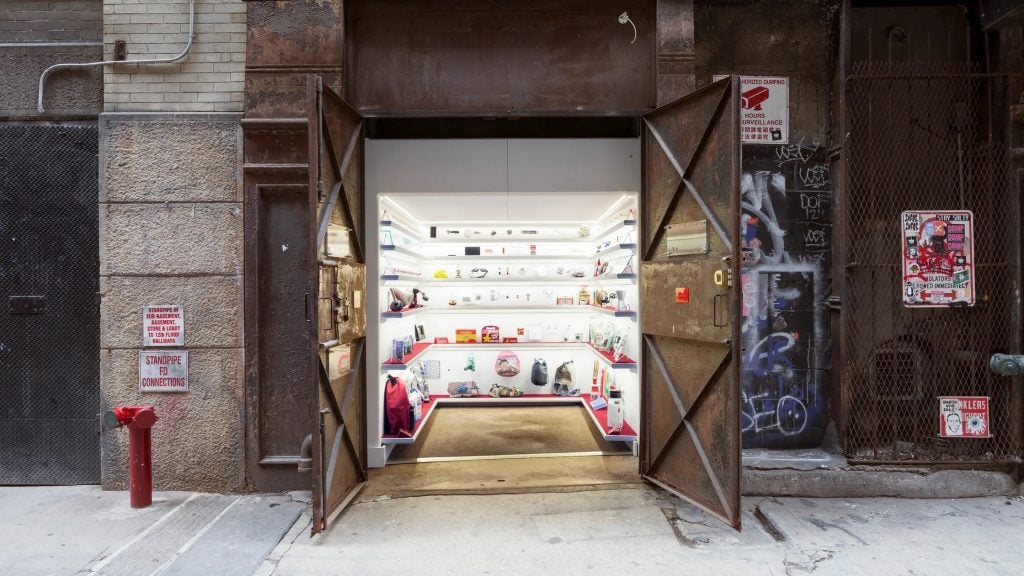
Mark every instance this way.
x=163 y=371
x=964 y=417
x=938 y=258
x=163 y=325
x=764 y=109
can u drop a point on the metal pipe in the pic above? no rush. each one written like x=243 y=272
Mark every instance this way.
x=188 y=46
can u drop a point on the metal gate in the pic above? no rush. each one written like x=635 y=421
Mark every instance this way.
x=689 y=294
x=49 y=323
x=926 y=137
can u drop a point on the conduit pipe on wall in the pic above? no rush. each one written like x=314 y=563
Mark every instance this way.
x=172 y=60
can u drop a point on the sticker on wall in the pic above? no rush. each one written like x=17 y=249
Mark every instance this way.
x=938 y=258
x=764 y=109
x=964 y=417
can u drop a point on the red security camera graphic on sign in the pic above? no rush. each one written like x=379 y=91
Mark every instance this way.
x=752 y=99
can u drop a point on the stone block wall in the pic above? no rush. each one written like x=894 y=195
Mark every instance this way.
x=171 y=233
x=211 y=79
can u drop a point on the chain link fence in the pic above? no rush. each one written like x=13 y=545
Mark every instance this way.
x=926 y=137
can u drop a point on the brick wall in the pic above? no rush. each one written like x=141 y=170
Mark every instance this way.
x=211 y=79
x=42 y=21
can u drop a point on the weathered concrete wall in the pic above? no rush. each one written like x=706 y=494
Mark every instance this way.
x=171 y=233
x=787 y=213
x=35 y=35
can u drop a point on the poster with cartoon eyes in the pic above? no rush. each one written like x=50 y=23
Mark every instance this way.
x=964 y=417
x=938 y=258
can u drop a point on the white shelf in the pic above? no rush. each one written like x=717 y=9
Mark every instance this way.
x=537 y=258
x=618 y=226
x=401 y=228
x=400 y=278
x=387 y=249
x=628 y=247
x=469 y=309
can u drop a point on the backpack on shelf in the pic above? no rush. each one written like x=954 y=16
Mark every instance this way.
x=397 y=409
x=539 y=373
x=564 y=380
x=507 y=364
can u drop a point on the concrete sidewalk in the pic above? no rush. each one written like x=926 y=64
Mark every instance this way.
x=634 y=529
x=644 y=531
x=70 y=530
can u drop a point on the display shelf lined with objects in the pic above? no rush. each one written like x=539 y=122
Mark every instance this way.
x=511 y=313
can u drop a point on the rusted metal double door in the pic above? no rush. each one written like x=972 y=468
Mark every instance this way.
x=690 y=299
x=690 y=389
x=336 y=290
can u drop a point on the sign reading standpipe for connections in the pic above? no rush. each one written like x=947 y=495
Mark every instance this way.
x=163 y=371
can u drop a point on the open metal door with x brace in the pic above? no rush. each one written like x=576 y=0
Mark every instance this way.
x=690 y=299
x=336 y=314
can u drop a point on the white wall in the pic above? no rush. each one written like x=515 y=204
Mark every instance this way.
x=487 y=165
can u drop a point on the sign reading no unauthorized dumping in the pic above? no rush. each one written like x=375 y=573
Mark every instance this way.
x=163 y=325
x=764 y=109
x=964 y=417
x=163 y=371
x=938 y=258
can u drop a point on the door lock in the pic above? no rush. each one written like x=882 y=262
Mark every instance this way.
x=723 y=278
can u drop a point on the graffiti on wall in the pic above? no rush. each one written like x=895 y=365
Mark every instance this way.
x=786 y=234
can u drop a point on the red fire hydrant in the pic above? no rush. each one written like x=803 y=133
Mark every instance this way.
x=139 y=420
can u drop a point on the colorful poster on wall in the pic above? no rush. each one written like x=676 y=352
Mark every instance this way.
x=938 y=258
x=964 y=417
x=764 y=109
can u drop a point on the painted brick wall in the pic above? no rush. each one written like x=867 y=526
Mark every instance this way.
x=212 y=77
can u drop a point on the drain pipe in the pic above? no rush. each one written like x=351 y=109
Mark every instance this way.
x=188 y=46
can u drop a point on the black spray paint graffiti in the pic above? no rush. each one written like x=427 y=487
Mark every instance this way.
x=786 y=229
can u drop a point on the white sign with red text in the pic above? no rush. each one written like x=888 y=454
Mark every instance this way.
x=163 y=325
x=764 y=109
x=163 y=371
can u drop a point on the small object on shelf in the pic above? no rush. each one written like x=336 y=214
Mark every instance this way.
x=598 y=404
x=441 y=340
x=595 y=392
x=533 y=249
x=510 y=340
x=504 y=391
x=507 y=365
x=616 y=411
x=463 y=389
x=440 y=274
x=539 y=373
x=472 y=250
x=458 y=272
x=470 y=365
x=564 y=385
x=490 y=334
x=620 y=300
x=478 y=273
x=465 y=335
x=564 y=301
x=419 y=332
x=584 y=297
x=451 y=302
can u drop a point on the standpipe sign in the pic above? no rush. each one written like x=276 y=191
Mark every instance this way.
x=938 y=258
x=163 y=325
x=964 y=417
x=163 y=371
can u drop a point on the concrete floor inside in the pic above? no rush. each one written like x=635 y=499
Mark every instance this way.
x=505 y=450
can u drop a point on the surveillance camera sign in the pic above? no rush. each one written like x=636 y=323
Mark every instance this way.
x=964 y=417
x=764 y=109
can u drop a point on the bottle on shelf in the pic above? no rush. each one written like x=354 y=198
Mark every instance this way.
x=616 y=410
x=595 y=391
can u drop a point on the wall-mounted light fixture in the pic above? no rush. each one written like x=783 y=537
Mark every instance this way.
x=624 y=19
